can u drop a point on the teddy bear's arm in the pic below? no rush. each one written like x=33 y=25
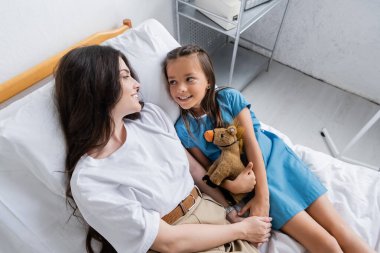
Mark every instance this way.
x=212 y=168
x=221 y=172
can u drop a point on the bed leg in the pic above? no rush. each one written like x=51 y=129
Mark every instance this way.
x=334 y=150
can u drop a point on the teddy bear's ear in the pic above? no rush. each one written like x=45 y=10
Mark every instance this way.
x=232 y=130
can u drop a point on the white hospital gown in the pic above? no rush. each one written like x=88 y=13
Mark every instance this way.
x=124 y=195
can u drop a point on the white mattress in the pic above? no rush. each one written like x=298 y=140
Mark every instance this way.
x=354 y=191
x=34 y=219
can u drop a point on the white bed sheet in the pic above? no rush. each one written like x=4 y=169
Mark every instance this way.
x=354 y=191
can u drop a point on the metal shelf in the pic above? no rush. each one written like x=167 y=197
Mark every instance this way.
x=189 y=10
x=245 y=64
x=244 y=73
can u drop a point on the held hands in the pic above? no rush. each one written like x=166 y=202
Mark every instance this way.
x=243 y=183
x=257 y=229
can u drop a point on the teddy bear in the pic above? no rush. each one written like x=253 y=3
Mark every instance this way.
x=228 y=165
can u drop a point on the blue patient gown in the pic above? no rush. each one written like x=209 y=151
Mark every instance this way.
x=292 y=186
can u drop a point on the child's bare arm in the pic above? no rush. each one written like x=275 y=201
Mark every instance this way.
x=243 y=183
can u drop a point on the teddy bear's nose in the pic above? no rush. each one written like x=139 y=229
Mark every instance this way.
x=222 y=135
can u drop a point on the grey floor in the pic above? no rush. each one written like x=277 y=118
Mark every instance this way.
x=300 y=106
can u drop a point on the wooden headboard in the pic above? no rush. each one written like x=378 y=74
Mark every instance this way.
x=37 y=73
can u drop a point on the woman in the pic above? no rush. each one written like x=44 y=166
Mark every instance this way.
x=127 y=171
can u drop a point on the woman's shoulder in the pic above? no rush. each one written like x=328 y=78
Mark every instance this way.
x=150 y=107
x=152 y=114
x=85 y=171
x=152 y=110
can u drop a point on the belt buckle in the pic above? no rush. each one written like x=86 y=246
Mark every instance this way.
x=183 y=208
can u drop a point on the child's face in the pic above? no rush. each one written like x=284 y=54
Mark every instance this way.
x=187 y=82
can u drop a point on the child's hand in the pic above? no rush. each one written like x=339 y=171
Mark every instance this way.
x=256 y=207
x=243 y=183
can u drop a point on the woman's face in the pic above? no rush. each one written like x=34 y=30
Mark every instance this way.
x=129 y=101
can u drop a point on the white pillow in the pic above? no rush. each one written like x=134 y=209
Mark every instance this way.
x=30 y=136
x=145 y=48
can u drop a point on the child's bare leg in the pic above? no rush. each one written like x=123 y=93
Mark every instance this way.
x=326 y=215
x=303 y=228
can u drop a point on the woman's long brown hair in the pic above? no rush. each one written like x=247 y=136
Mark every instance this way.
x=87 y=87
x=209 y=103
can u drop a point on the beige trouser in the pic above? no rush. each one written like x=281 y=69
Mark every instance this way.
x=207 y=211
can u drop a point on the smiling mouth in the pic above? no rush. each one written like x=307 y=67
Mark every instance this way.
x=182 y=98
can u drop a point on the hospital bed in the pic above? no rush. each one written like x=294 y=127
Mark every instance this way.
x=33 y=212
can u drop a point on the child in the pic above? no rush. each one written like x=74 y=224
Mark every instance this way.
x=286 y=189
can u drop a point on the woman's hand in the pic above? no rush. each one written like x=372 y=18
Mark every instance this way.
x=257 y=206
x=258 y=229
x=243 y=183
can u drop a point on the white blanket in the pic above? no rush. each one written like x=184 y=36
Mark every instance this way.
x=354 y=191
x=34 y=219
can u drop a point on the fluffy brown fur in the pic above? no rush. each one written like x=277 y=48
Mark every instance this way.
x=228 y=165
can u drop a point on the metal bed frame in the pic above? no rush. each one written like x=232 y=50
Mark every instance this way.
x=334 y=150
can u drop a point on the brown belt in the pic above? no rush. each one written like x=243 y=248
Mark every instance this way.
x=183 y=207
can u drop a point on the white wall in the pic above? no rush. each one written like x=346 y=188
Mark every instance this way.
x=33 y=30
x=336 y=41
